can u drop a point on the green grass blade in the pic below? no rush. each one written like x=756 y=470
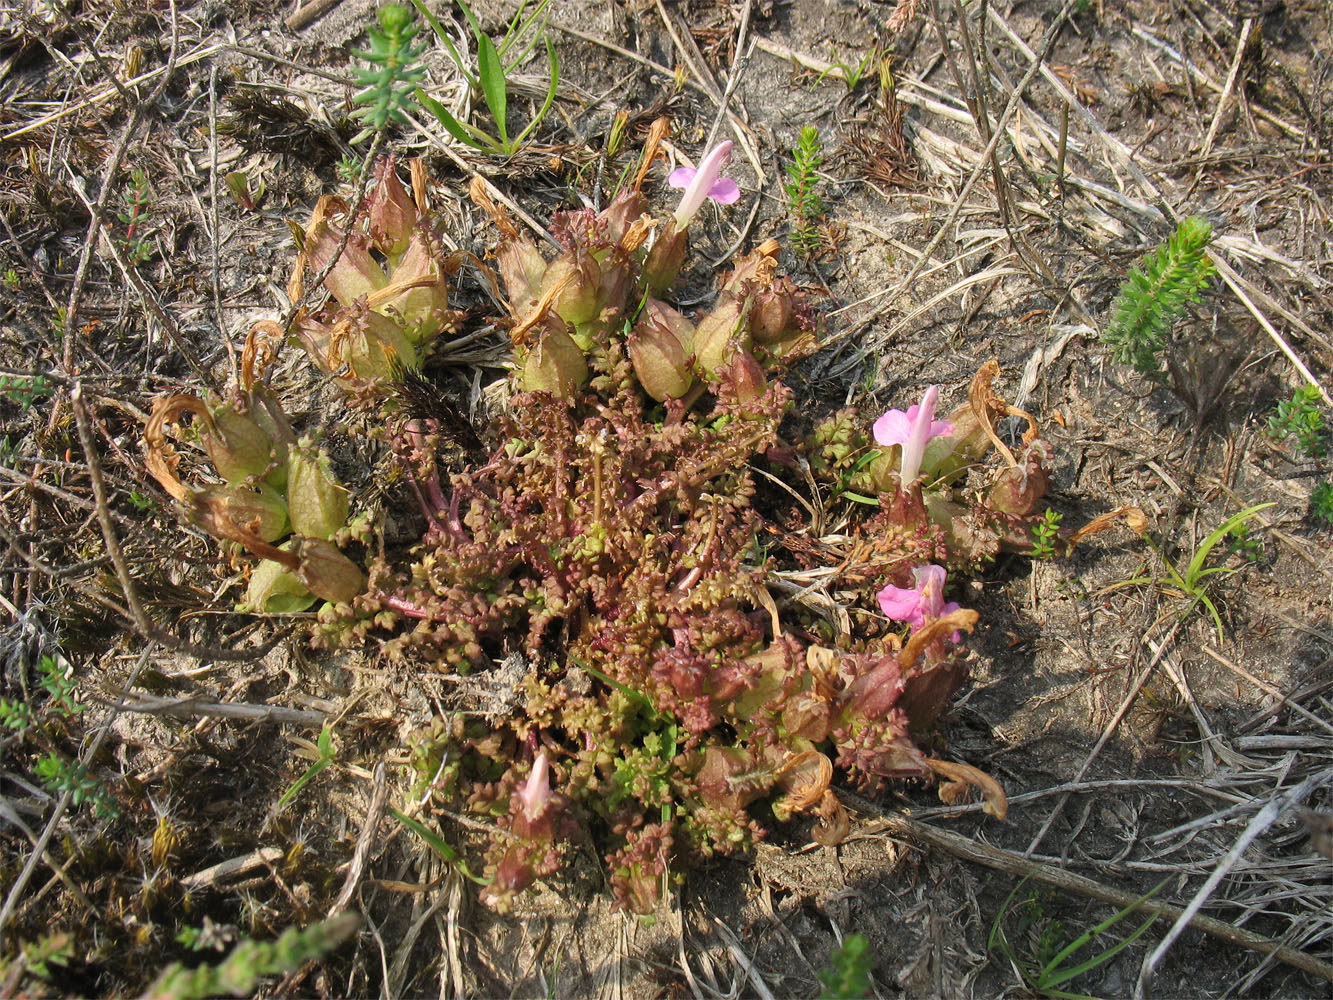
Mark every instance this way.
x=1216 y=535
x=550 y=94
x=514 y=34
x=493 y=86
x=449 y=46
x=463 y=132
x=1053 y=976
x=324 y=746
x=439 y=845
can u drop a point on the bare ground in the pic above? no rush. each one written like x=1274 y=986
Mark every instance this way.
x=1134 y=744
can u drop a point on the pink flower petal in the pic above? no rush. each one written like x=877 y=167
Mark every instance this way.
x=901 y=605
x=681 y=177
x=893 y=427
x=724 y=191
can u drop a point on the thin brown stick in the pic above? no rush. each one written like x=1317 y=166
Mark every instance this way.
x=1015 y=864
x=307 y=14
x=1227 y=90
x=374 y=813
x=190 y=708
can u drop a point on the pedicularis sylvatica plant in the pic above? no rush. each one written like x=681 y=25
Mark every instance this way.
x=615 y=550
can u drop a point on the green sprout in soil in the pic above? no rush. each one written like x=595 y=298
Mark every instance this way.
x=615 y=544
x=1044 y=534
x=490 y=77
x=802 y=200
x=24 y=391
x=394 y=74
x=1154 y=297
x=1301 y=419
x=1321 y=503
x=134 y=216
x=848 y=974
x=1036 y=945
x=1192 y=582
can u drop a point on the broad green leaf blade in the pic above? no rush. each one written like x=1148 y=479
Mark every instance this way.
x=493 y=86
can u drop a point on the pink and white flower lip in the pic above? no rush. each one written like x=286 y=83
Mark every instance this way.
x=917 y=604
x=912 y=430
x=704 y=183
x=537 y=789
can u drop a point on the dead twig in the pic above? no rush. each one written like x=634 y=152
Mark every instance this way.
x=374 y=813
x=1015 y=864
x=1261 y=822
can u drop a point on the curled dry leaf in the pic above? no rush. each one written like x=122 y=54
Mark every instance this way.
x=1133 y=517
x=834 y=824
x=805 y=777
x=931 y=631
x=958 y=777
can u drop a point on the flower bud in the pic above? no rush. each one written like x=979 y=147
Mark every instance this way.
x=357 y=273
x=521 y=268
x=618 y=216
x=369 y=346
x=390 y=211
x=238 y=446
x=261 y=512
x=742 y=378
x=665 y=258
x=266 y=412
x=275 y=590
x=659 y=347
x=578 y=277
x=421 y=309
x=772 y=312
x=554 y=363
x=329 y=574
x=316 y=503
x=719 y=337
x=1018 y=488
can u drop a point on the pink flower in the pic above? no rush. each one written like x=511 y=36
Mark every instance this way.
x=536 y=791
x=912 y=430
x=703 y=183
x=925 y=600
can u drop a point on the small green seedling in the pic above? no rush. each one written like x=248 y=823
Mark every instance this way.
x=1153 y=298
x=1321 y=503
x=393 y=74
x=23 y=390
x=491 y=76
x=851 y=74
x=1301 y=418
x=1045 y=970
x=321 y=753
x=847 y=976
x=133 y=215
x=802 y=200
x=1045 y=533
x=1192 y=581
x=60 y=776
